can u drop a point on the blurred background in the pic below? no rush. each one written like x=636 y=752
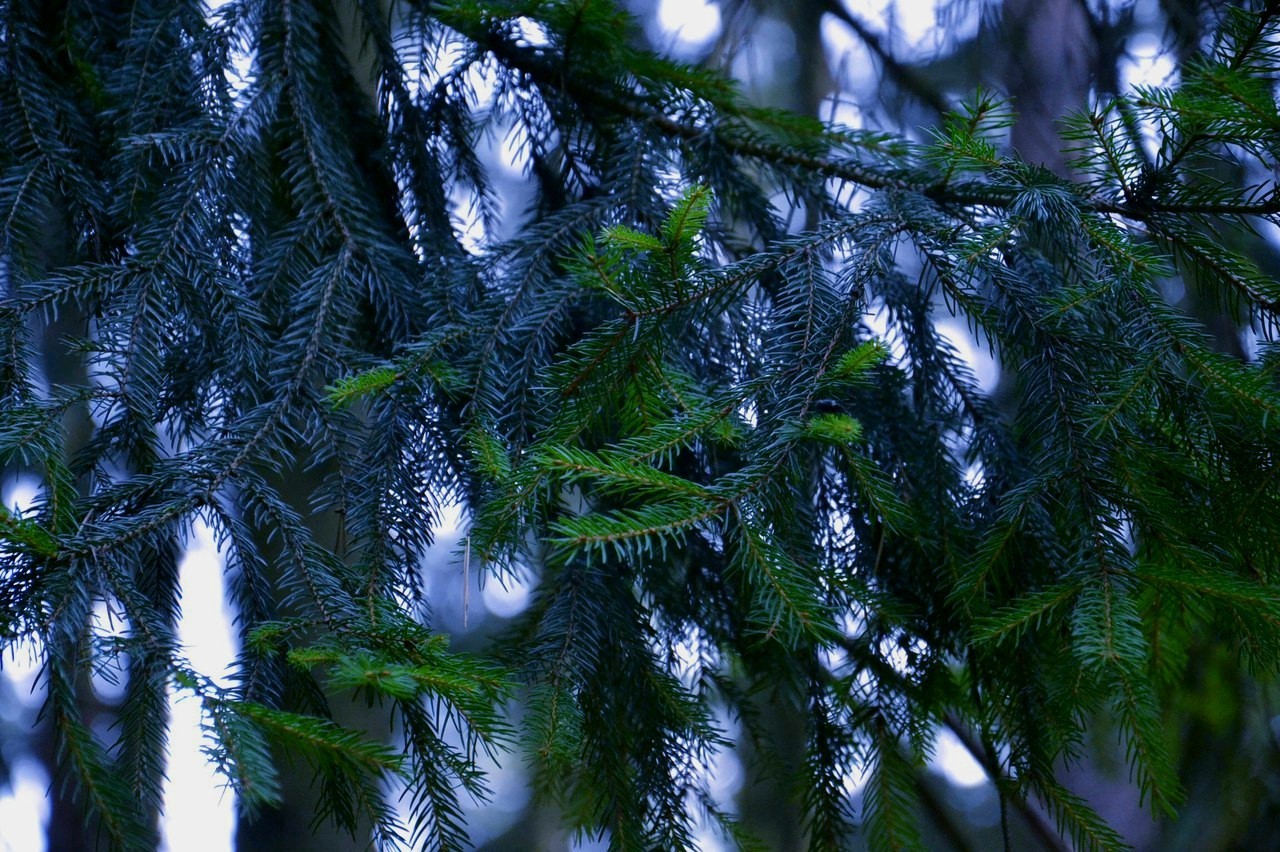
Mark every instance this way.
x=891 y=65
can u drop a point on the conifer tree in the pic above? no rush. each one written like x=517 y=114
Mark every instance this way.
x=255 y=273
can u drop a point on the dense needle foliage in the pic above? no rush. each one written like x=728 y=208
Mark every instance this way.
x=748 y=473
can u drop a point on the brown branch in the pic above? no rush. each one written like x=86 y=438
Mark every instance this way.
x=1037 y=822
x=941 y=815
x=970 y=193
x=1033 y=816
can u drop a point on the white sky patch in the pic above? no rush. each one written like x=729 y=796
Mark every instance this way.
x=852 y=624
x=901 y=657
x=21 y=668
x=239 y=73
x=195 y=795
x=913 y=26
x=689 y=660
x=480 y=81
x=856 y=780
x=956 y=763
x=450 y=521
x=790 y=210
x=975 y=475
x=22 y=495
x=877 y=319
x=210 y=647
x=465 y=210
x=1147 y=63
x=110 y=678
x=833 y=659
x=462 y=588
x=24 y=808
x=21 y=665
x=532 y=32
x=692 y=23
x=725 y=777
x=913 y=22
x=850 y=63
x=985 y=367
x=435 y=62
x=507 y=597
x=514 y=153
x=848 y=194
x=1262 y=331
x=842 y=112
x=1249 y=343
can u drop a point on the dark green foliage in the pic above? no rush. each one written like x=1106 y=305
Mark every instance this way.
x=647 y=391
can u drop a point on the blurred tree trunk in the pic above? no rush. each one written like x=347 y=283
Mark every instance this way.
x=1048 y=69
x=66 y=828
x=292 y=826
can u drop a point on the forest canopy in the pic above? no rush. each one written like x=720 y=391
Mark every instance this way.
x=260 y=270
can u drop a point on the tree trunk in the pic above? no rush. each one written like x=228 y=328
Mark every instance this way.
x=1049 y=66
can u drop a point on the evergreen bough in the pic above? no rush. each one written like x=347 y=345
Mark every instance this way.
x=650 y=389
